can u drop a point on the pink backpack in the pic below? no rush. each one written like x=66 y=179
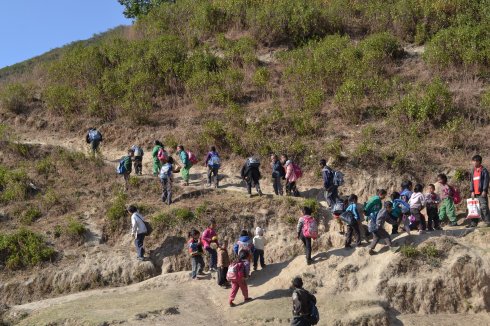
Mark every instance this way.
x=310 y=227
x=456 y=195
x=162 y=155
x=297 y=171
x=236 y=272
x=192 y=157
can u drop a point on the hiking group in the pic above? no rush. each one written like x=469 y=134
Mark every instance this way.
x=403 y=210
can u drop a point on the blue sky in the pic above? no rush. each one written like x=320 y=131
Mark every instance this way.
x=32 y=27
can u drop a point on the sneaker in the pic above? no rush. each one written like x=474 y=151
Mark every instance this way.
x=372 y=252
x=248 y=299
x=430 y=230
x=438 y=228
x=201 y=273
x=470 y=226
x=232 y=304
x=260 y=193
x=453 y=224
x=421 y=231
x=140 y=258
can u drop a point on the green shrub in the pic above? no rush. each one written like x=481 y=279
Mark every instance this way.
x=291 y=220
x=75 y=229
x=50 y=199
x=409 y=251
x=117 y=211
x=334 y=148
x=313 y=205
x=261 y=79
x=30 y=215
x=13 y=184
x=201 y=210
x=45 y=166
x=58 y=231
x=163 y=221
x=183 y=214
x=61 y=98
x=15 y=97
x=23 y=248
x=430 y=251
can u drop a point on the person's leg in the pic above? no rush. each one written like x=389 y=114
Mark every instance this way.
x=213 y=257
x=216 y=179
x=451 y=211
x=357 y=233
x=244 y=287
x=210 y=173
x=275 y=185
x=288 y=188
x=485 y=214
x=126 y=180
x=262 y=260
x=164 y=189
x=220 y=276
x=194 y=267
x=256 y=258
x=375 y=240
x=234 y=291
x=308 y=249
x=201 y=264
x=442 y=210
x=348 y=236
x=423 y=224
x=169 y=191
x=249 y=187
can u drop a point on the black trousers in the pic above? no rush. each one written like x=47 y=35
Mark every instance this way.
x=259 y=255
x=307 y=244
x=353 y=229
x=138 y=164
x=433 y=217
x=222 y=275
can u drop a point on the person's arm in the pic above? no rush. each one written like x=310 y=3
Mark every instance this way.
x=133 y=225
x=472 y=187
x=242 y=172
x=289 y=170
x=299 y=227
x=205 y=236
x=485 y=182
x=208 y=157
x=356 y=213
x=235 y=248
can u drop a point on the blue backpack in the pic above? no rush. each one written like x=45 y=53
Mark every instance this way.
x=166 y=171
x=404 y=206
x=121 y=168
x=94 y=135
x=214 y=161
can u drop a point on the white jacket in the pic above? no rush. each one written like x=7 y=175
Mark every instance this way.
x=137 y=224
x=259 y=242
x=417 y=200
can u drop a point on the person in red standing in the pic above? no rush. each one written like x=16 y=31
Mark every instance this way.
x=479 y=190
x=209 y=240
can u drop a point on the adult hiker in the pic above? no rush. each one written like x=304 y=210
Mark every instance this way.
x=305 y=312
x=138 y=159
x=157 y=165
x=250 y=173
x=447 y=208
x=209 y=241
x=125 y=167
x=293 y=173
x=331 y=190
x=479 y=189
x=278 y=173
x=138 y=230
x=213 y=162
x=307 y=229
x=376 y=227
x=185 y=164
x=166 y=179
x=94 y=138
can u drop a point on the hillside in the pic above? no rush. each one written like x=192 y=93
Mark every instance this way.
x=385 y=90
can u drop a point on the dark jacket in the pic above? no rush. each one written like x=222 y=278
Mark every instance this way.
x=278 y=170
x=484 y=179
x=127 y=164
x=302 y=300
x=327 y=175
x=252 y=173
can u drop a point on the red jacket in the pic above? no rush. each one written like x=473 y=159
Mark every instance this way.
x=207 y=237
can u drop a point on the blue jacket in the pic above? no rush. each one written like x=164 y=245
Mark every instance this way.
x=407 y=194
x=327 y=175
x=278 y=170
x=184 y=158
x=244 y=239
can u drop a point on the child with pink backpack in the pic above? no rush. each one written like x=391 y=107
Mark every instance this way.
x=307 y=229
x=237 y=274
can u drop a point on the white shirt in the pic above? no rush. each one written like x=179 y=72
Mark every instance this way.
x=137 y=224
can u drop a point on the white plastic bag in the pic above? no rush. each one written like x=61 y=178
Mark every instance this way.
x=473 y=205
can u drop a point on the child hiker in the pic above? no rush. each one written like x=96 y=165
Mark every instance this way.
x=432 y=201
x=376 y=227
x=223 y=263
x=259 y=244
x=417 y=202
x=238 y=273
x=196 y=252
x=354 y=228
x=446 y=208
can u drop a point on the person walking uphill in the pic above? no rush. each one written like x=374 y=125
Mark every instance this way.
x=186 y=164
x=331 y=190
x=166 y=180
x=278 y=173
x=238 y=273
x=304 y=305
x=307 y=229
x=94 y=138
x=376 y=227
x=250 y=173
x=479 y=189
x=213 y=162
x=138 y=159
x=157 y=165
x=125 y=167
x=446 y=208
x=138 y=230
x=209 y=240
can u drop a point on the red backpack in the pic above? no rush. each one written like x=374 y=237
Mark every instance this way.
x=236 y=272
x=297 y=171
x=192 y=157
x=162 y=155
x=456 y=195
x=310 y=227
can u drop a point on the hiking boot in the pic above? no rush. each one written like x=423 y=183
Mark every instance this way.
x=453 y=224
x=232 y=304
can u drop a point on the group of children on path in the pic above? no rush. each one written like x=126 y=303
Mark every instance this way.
x=402 y=210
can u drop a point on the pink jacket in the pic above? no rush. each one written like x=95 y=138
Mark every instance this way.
x=290 y=175
x=207 y=236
